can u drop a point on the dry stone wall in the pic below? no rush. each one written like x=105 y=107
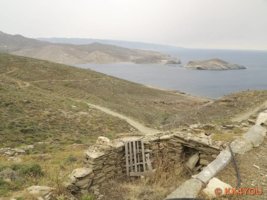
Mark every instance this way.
x=254 y=137
x=106 y=159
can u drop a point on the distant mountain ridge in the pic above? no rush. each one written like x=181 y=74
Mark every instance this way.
x=78 y=54
x=121 y=43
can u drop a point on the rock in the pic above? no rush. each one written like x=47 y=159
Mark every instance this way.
x=208 y=126
x=90 y=154
x=11 y=151
x=207 y=133
x=27 y=147
x=203 y=162
x=81 y=172
x=41 y=192
x=192 y=161
x=189 y=189
x=255 y=135
x=244 y=124
x=84 y=183
x=251 y=121
x=80 y=178
x=215 y=166
x=262 y=118
x=213 y=64
x=19 y=151
x=213 y=184
x=117 y=144
x=241 y=145
x=15 y=159
x=194 y=126
x=166 y=137
x=9 y=175
x=103 y=141
x=256 y=166
x=228 y=126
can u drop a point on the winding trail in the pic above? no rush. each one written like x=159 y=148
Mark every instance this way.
x=246 y=115
x=140 y=127
x=11 y=71
x=21 y=84
x=137 y=125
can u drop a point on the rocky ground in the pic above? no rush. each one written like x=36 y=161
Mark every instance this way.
x=253 y=171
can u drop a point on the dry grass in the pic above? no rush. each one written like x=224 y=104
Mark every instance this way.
x=227 y=136
x=55 y=166
x=38 y=104
x=34 y=115
x=150 y=106
x=157 y=186
x=222 y=110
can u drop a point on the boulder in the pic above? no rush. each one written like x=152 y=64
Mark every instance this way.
x=41 y=192
x=241 y=145
x=84 y=183
x=80 y=178
x=213 y=185
x=189 y=189
x=204 y=162
x=192 y=161
x=255 y=135
x=81 y=172
x=103 y=141
x=262 y=118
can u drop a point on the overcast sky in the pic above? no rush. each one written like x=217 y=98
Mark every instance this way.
x=231 y=24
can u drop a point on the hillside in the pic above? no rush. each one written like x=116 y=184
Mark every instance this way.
x=121 y=43
x=236 y=107
x=42 y=97
x=77 y=54
x=25 y=78
x=30 y=115
x=60 y=110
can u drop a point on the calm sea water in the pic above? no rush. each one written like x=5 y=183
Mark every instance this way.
x=212 y=84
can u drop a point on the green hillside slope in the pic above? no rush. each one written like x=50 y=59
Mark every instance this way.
x=40 y=99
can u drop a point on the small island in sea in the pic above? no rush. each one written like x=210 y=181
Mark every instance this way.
x=213 y=64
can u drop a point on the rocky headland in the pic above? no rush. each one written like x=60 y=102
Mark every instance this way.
x=213 y=64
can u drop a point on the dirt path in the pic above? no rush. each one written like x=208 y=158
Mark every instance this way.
x=9 y=72
x=137 y=125
x=140 y=127
x=246 y=115
x=21 y=84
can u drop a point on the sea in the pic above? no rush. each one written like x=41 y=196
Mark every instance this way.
x=212 y=84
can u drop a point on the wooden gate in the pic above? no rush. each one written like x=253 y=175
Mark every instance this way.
x=137 y=160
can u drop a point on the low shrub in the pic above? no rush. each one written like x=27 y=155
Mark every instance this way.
x=32 y=170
